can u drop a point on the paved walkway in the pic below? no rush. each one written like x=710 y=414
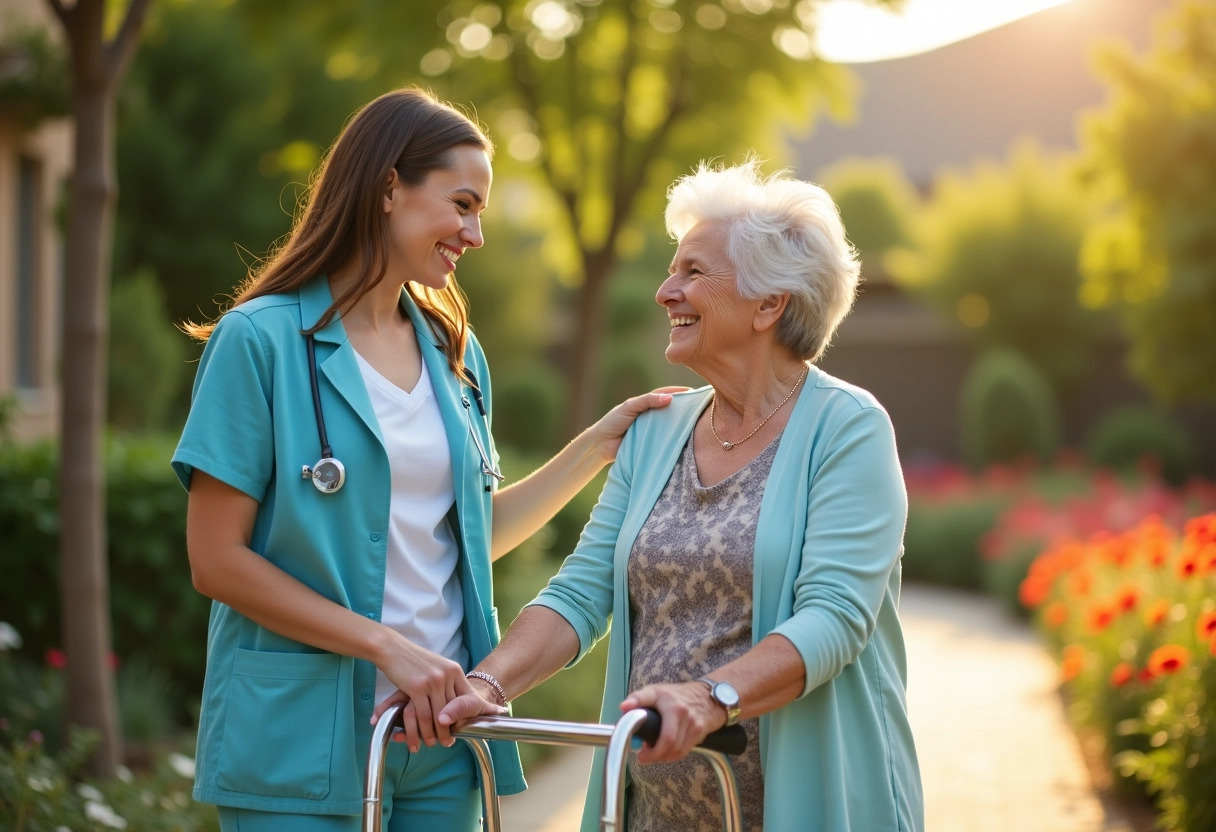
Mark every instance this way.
x=995 y=750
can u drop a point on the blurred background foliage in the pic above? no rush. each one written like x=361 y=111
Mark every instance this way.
x=995 y=249
x=1151 y=154
x=595 y=107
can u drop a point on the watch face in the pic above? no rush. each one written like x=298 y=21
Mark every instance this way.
x=726 y=694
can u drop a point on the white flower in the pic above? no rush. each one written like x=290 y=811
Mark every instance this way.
x=124 y=774
x=39 y=784
x=104 y=815
x=89 y=793
x=10 y=639
x=183 y=765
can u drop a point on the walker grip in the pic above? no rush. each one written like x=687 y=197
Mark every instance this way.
x=729 y=740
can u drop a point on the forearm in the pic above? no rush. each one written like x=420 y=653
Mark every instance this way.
x=521 y=509
x=767 y=677
x=248 y=583
x=538 y=644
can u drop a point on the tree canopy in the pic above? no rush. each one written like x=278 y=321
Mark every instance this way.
x=996 y=247
x=1151 y=153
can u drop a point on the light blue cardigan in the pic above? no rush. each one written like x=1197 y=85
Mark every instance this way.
x=841 y=757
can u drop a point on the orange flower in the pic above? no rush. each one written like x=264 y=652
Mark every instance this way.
x=1127 y=598
x=1116 y=550
x=1055 y=614
x=1121 y=674
x=1033 y=591
x=1168 y=658
x=1146 y=675
x=1206 y=626
x=1187 y=566
x=1156 y=551
x=1206 y=557
x=1202 y=528
x=1099 y=617
x=1073 y=661
x=1080 y=582
x=1156 y=612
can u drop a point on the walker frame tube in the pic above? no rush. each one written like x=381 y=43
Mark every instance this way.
x=618 y=739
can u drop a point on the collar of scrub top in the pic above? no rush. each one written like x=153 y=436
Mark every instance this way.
x=315 y=298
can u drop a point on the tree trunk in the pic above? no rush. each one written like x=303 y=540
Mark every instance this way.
x=583 y=366
x=83 y=563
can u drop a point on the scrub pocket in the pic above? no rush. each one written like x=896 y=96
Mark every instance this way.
x=279 y=725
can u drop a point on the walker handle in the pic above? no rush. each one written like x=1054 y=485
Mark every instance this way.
x=729 y=740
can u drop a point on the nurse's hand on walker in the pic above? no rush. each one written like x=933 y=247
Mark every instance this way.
x=471 y=705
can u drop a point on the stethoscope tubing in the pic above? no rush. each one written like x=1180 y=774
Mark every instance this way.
x=329 y=462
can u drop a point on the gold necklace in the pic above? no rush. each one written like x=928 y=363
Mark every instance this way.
x=726 y=446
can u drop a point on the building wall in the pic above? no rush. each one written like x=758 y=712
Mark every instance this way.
x=34 y=166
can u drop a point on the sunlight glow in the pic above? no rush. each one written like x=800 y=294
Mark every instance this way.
x=853 y=31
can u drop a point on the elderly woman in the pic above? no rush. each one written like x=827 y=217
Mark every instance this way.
x=747 y=541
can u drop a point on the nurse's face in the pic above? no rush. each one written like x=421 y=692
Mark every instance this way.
x=431 y=224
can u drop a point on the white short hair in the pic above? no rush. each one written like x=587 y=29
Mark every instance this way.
x=782 y=235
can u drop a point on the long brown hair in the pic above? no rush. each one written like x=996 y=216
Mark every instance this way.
x=408 y=130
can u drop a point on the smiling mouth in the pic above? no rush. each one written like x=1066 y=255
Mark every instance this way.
x=683 y=320
x=449 y=254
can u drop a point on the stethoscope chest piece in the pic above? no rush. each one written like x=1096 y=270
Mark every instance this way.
x=328 y=475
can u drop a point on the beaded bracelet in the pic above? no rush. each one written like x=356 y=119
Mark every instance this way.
x=489 y=680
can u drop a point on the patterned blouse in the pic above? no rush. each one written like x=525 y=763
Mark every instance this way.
x=690 y=596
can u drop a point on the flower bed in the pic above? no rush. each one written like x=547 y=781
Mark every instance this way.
x=1132 y=616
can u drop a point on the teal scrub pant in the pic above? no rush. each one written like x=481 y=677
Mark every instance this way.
x=435 y=789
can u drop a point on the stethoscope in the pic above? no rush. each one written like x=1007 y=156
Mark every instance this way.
x=329 y=475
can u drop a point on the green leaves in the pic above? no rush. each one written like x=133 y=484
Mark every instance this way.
x=1152 y=151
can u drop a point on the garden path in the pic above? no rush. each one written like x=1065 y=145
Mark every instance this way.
x=995 y=749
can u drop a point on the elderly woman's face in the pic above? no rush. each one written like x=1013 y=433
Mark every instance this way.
x=706 y=314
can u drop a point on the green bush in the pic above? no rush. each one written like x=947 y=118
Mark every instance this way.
x=1124 y=437
x=147 y=362
x=1008 y=411
x=1002 y=576
x=41 y=791
x=527 y=407
x=942 y=540
x=157 y=616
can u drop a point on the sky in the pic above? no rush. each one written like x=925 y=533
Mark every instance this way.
x=853 y=31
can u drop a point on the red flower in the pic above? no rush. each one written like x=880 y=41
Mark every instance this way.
x=1099 y=617
x=1187 y=566
x=1206 y=626
x=1127 y=597
x=1168 y=658
x=1121 y=674
x=56 y=659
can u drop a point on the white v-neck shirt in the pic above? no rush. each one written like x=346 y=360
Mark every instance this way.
x=422 y=597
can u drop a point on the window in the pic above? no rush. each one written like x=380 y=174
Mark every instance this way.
x=28 y=312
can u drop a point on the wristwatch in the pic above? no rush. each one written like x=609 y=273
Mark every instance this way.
x=724 y=694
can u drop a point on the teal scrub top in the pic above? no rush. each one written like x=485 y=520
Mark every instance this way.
x=285 y=727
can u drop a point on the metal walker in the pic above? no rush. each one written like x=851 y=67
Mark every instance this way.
x=641 y=723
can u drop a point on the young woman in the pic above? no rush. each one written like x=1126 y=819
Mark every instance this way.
x=344 y=489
